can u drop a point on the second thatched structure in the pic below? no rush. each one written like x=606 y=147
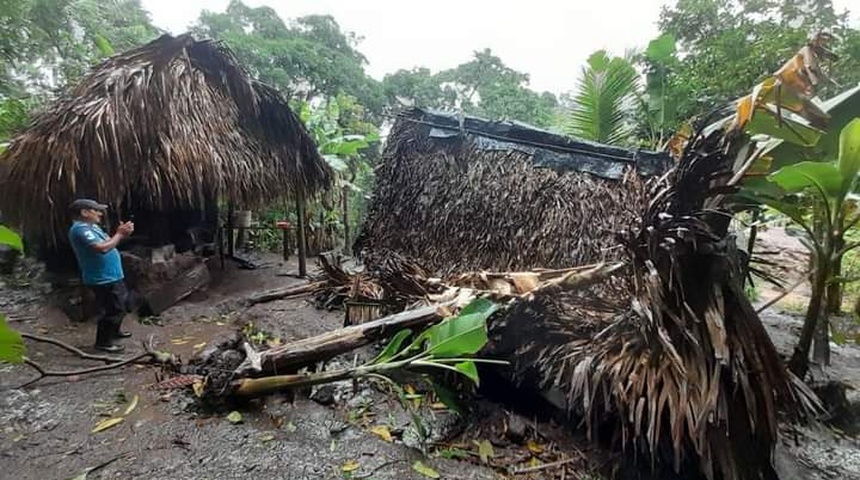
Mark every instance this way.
x=469 y=194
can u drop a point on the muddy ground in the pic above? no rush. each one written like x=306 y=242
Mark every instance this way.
x=47 y=428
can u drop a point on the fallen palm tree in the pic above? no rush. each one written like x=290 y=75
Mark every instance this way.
x=685 y=374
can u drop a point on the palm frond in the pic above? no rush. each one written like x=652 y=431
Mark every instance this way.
x=603 y=99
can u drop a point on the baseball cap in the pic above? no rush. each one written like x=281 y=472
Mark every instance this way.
x=86 y=203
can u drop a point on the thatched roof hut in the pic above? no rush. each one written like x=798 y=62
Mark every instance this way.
x=473 y=194
x=174 y=124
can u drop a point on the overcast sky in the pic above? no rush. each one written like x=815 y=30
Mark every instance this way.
x=548 y=39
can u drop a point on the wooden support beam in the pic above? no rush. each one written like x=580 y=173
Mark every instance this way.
x=302 y=239
x=230 y=245
x=279 y=293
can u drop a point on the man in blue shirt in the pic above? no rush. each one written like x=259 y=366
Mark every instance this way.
x=101 y=269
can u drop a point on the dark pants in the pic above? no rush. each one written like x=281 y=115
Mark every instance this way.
x=112 y=298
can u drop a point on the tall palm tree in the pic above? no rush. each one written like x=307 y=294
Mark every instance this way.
x=603 y=100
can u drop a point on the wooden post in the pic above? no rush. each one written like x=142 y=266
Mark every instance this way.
x=230 y=245
x=345 y=194
x=219 y=233
x=302 y=239
x=286 y=242
x=285 y=231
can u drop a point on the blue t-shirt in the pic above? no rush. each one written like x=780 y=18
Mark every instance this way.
x=96 y=268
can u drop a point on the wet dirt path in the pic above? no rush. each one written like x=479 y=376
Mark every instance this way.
x=47 y=429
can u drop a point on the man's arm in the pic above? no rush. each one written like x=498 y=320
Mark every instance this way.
x=125 y=229
x=109 y=244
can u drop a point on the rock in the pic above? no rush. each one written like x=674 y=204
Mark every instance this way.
x=517 y=428
x=323 y=394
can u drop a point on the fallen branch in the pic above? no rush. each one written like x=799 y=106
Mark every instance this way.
x=69 y=348
x=577 y=279
x=279 y=293
x=544 y=466
x=293 y=355
x=803 y=279
x=70 y=373
x=150 y=355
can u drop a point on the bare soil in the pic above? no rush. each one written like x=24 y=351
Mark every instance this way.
x=46 y=429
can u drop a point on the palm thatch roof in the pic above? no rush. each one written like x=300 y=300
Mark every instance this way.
x=167 y=124
x=459 y=195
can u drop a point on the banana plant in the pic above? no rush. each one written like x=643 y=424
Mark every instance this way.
x=450 y=345
x=342 y=151
x=819 y=197
x=11 y=344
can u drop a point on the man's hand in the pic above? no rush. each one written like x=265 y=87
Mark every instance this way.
x=125 y=229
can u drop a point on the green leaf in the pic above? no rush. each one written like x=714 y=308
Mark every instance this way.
x=470 y=370
x=464 y=334
x=336 y=163
x=765 y=122
x=10 y=238
x=839 y=337
x=83 y=475
x=447 y=396
x=103 y=45
x=234 y=417
x=661 y=48
x=346 y=147
x=479 y=306
x=393 y=346
x=605 y=88
x=485 y=450
x=425 y=470
x=805 y=175
x=452 y=453
x=11 y=344
x=795 y=212
x=849 y=152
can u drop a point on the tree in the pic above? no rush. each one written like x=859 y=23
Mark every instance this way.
x=47 y=44
x=309 y=57
x=725 y=45
x=418 y=86
x=662 y=96
x=603 y=103
x=483 y=86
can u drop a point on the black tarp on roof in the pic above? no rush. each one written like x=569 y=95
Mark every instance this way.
x=548 y=149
